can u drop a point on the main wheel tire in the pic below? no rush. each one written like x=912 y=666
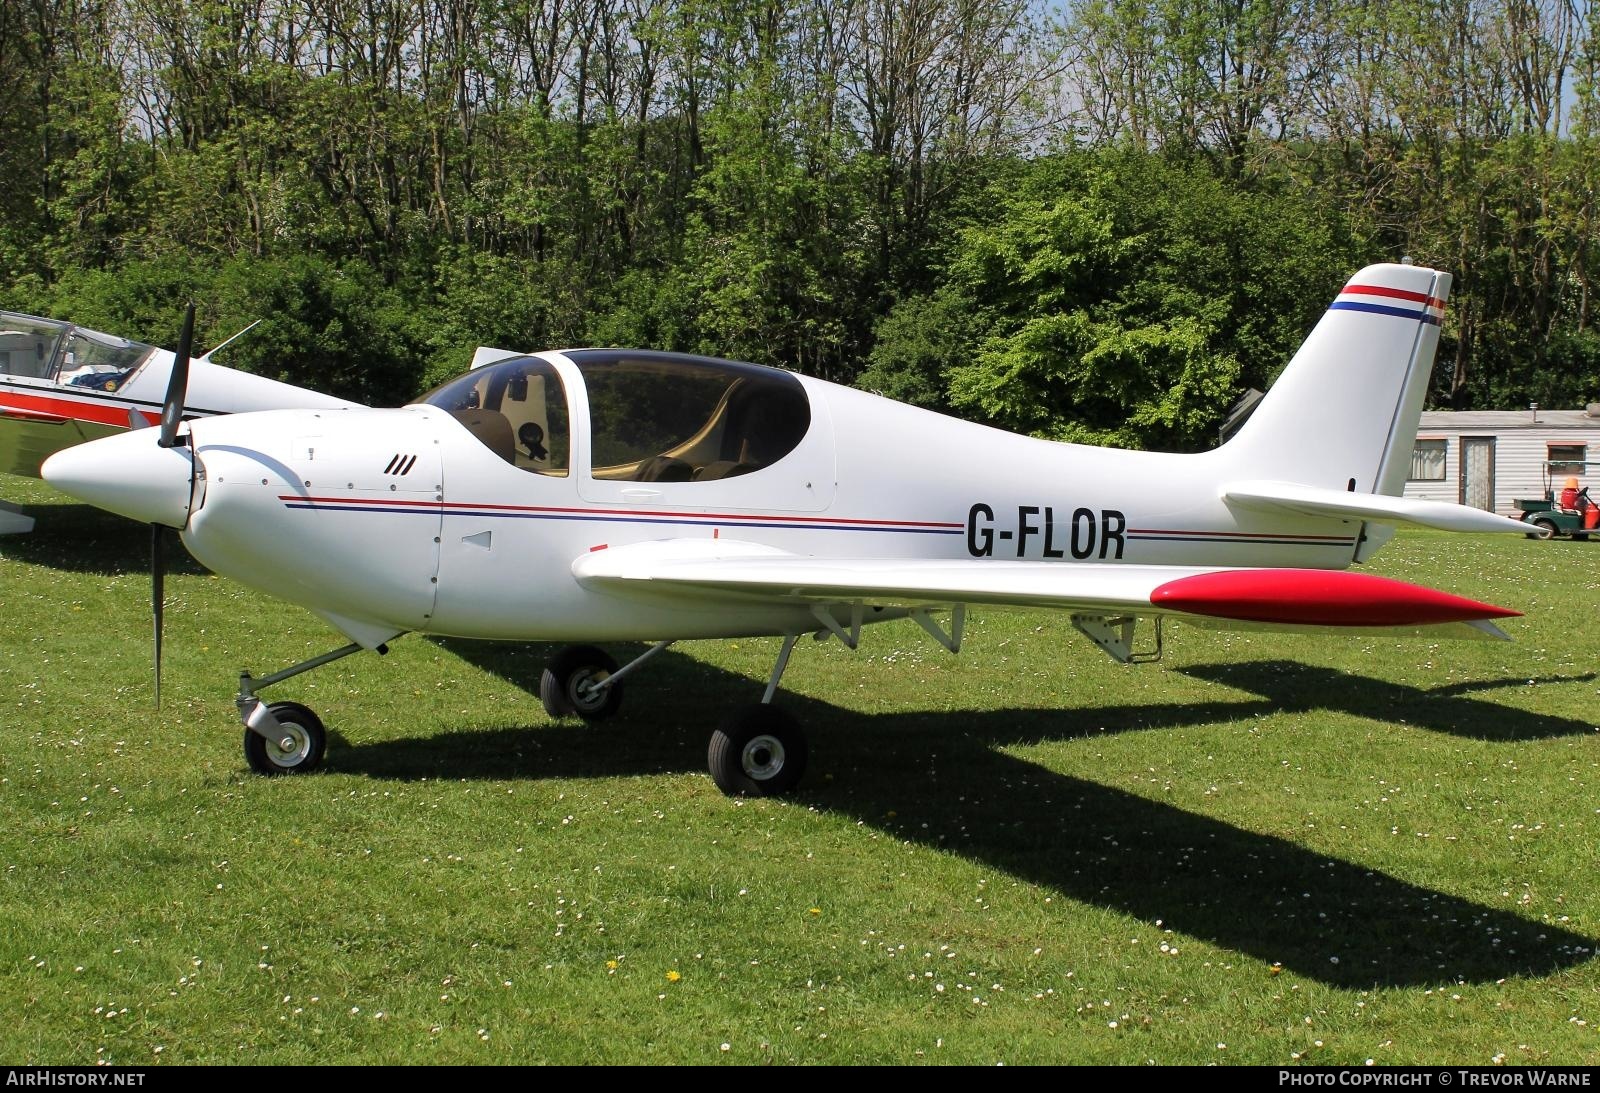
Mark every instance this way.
x=1547 y=528
x=565 y=688
x=298 y=751
x=759 y=751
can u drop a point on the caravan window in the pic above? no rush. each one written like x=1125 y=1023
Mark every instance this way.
x=1567 y=459
x=1427 y=461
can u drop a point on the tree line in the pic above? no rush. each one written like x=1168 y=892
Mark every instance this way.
x=1102 y=219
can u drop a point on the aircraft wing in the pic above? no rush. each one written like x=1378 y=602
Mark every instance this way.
x=1378 y=508
x=1296 y=599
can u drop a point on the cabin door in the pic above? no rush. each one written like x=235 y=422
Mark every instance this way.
x=1477 y=472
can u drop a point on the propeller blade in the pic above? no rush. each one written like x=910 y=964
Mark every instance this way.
x=136 y=420
x=158 y=575
x=178 y=384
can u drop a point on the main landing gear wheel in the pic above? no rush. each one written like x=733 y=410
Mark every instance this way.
x=299 y=747
x=568 y=685
x=759 y=751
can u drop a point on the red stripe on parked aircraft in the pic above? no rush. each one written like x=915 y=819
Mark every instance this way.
x=1318 y=598
x=100 y=413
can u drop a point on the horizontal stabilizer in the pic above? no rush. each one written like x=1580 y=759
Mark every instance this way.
x=1313 y=501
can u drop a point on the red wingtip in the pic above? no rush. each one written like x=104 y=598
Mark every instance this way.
x=1314 y=597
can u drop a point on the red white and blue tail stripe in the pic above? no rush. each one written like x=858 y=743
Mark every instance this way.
x=1384 y=300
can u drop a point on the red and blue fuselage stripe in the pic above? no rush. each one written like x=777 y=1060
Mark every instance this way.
x=788 y=521
x=1245 y=537
x=622 y=516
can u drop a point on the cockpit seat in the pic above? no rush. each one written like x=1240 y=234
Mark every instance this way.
x=664 y=468
x=722 y=468
x=493 y=430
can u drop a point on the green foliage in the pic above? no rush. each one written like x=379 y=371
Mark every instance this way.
x=832 y=188
x=334 y=328
x=141 y=299
x=330 y=327
x=1116 y=299
x=920 y=342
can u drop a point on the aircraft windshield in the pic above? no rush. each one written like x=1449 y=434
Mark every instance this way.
x=653 y=417
x=100 y=361
x=664 y=417
x=517 y=408
x=43 y=349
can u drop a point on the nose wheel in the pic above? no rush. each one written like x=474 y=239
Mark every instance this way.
x=285 y=737
x=293 y=742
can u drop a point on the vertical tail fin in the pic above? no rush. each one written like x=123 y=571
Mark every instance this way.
x=1343 y=415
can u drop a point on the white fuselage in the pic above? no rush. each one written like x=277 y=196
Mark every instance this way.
x=620 y=494
x=384 y=521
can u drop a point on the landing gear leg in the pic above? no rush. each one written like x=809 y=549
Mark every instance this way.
x=285 y=737
x=760 y=750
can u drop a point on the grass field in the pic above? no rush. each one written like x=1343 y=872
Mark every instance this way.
x=1265 y=849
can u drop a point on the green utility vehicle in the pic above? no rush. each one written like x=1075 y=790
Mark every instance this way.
x=1556 y=516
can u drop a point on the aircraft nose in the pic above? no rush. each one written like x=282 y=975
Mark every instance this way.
x=129 y=474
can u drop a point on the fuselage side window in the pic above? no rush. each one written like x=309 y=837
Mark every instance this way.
x=656 y=417
x=28 y=346
x=516 y=408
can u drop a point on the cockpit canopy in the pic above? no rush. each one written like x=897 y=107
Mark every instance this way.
x=652 y=417
x=35 y=348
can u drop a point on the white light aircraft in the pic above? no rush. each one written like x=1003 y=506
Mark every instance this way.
x=62 y=384
x=617 y=495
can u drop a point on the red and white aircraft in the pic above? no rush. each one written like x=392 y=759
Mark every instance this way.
x=62 y=384
x=618 y=495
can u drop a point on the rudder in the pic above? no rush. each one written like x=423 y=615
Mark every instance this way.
x=1346 y=407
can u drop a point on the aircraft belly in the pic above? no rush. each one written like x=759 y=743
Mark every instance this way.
x=590 y=620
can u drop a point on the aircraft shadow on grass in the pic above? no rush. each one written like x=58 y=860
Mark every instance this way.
x=942 y=780
x=74 y=538
x=1245 y=891
x=1289 y=687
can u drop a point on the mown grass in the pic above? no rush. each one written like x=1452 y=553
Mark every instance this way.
x=1265 y=849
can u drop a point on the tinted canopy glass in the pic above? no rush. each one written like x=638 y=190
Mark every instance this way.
x=666 y=417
